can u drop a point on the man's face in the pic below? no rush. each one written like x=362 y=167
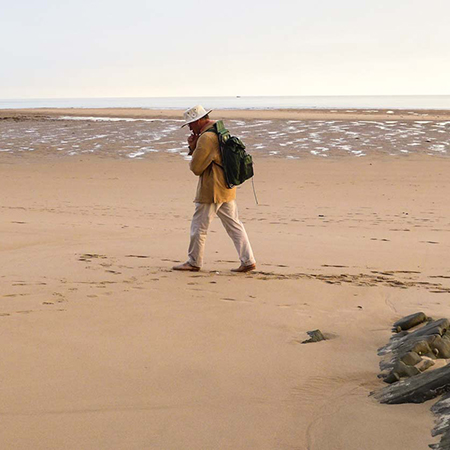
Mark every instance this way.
x=195 y=127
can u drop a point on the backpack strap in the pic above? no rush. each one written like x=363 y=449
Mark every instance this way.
x=223 y=133
x=219 y=129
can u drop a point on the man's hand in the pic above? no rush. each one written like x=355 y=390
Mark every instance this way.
x=192 y=142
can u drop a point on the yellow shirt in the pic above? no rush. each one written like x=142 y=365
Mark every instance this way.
x=205 y=163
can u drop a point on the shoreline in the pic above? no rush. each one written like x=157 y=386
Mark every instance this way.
x=371 y=114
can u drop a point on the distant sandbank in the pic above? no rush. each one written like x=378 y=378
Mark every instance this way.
x=288 y=114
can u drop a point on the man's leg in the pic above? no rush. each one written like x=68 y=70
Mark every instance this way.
x=203 y=215
x=228 y=214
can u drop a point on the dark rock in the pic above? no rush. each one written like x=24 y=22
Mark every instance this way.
x=393 y=377
x=409 y=321
x=397 y=349
x=439 y=326
x=315 y=336
x=411 y=358
x=417 y=389
x=441 y=346
x=423 y=347
x=441 y=409
x=425 y=364
x=403 y=370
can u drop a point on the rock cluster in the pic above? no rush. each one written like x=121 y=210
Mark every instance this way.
x=406 y=359
x=410 y=353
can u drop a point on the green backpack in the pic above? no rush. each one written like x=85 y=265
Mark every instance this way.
x=237 y=163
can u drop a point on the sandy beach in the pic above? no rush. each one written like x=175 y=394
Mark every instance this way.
x=105 y=347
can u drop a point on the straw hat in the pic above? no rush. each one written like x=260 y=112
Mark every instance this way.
x=193 y=114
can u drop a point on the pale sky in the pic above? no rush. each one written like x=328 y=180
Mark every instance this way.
x=137 y=48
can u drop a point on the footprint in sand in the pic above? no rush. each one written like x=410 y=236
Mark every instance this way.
x=334 y=265
x=88 y=256
x=15 y=295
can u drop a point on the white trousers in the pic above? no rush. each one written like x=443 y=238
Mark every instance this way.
x=228 y=214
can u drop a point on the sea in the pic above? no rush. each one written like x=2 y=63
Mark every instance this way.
x=441 y=102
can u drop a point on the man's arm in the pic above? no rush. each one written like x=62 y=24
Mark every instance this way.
x=203 y=154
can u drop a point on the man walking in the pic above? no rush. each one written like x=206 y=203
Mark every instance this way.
x=213 y=196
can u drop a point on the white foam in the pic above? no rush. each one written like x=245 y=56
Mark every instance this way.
x=174 y=150
x=116 y=119
x=136 y=154
x=256 y=125
x=438 y=148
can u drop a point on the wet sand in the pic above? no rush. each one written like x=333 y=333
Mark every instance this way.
x=284 y=114
x=108 y=348
x=142 y=133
